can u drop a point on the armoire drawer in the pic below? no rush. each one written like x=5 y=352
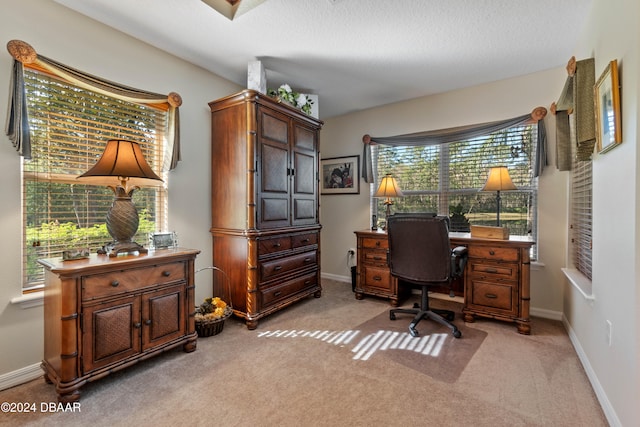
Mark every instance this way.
x=280 y=266
x=274 y=294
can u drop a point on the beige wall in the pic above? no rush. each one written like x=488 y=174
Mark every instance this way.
x=58 y=33
x=342 y=214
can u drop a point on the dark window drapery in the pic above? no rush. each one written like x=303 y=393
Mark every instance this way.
x=17 y=128
x=456 y=134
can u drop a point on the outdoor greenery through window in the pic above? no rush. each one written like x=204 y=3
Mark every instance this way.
x=69 y=129
x=446 y=179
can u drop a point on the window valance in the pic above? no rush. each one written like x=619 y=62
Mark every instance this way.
x=455 y=134
x=17 y=127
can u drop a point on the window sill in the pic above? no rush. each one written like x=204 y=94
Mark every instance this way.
x=580 y=282
x=30 y=300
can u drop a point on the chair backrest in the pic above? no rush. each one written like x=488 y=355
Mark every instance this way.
x=419 y=248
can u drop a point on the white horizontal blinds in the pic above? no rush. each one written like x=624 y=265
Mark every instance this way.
x=69 y=128
x=447 y=178
x=581 y=218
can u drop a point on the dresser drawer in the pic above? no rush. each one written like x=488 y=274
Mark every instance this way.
x=301 y=240
x=281 y=266
x=501 y=298
x=375 y=242
x=507 y=271
x=376 y=258
x=278 y=293
x=117 y=282
x=378 y=278
x=273 y=245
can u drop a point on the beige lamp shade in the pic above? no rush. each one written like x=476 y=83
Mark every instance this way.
x=388 y=188
x=498 y=180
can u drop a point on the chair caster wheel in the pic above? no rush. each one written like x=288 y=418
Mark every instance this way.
x=451 y=317
x=416 y=305
x=414 y=333
x=457 y=334
x=392 y=316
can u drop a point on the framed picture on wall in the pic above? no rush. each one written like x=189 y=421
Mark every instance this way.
x=607 y=94
x=340 y=175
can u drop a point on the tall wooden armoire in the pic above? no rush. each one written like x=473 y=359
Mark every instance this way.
x=265 y=202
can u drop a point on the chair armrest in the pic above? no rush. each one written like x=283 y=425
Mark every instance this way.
x=459 y=256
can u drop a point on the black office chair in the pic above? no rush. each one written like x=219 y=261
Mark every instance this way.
x=420 y=253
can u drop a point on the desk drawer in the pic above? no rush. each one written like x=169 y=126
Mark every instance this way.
x=378 y=278
x=117 y=282
x=375 y=242
x=376 y=258
x=500 y=298
x=503 y=271
x=494 y=253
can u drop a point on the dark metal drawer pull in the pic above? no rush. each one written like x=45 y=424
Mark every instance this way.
x=137 y=325
x=277 y=245
x=147 y=322
x=166 y=273
x=115 y=283
x=277 y=294
x=493 y=296
x=377 y=258
x=492 y=252
x=378 y=278
x=277 y=268
x=305 y=240
x=491 y=270
x=307 y=259
x=378 y=243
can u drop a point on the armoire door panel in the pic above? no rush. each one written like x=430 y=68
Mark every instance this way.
x=273 y=170
x=304 y=138
x=303 y=210
x=274 y=127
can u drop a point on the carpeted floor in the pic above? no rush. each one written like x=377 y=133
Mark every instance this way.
x=335 y=361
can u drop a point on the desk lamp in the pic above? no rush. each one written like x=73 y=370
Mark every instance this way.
x=121 y=168
x=498 y=180
x=388 y=188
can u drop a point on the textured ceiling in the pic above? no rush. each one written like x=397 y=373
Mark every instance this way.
x=357 y=54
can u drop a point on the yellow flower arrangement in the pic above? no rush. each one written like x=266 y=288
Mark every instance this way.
x=212 y=309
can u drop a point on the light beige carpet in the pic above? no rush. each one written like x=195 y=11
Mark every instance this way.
x=264 y=378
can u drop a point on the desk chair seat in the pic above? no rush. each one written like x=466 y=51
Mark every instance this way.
x=420 y=253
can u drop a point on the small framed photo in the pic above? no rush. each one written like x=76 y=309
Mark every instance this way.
x=340 y=175
x=607 y=94
x=163 y=240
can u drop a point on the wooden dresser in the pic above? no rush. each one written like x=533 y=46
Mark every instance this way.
x=264 y=202
x=496 y=279
x=103 y=314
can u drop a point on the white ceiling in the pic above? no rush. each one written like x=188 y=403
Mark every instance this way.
x=357 y=54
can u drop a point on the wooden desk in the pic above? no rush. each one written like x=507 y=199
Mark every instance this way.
x=496 y=279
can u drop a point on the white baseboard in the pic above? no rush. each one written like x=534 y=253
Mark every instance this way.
x=20 y=376
x=608 y=410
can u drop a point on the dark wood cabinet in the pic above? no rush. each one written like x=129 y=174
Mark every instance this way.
x=264 y=202
x=105 y=313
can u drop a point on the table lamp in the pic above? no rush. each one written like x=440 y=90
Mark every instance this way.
x=122 y=168
x=498 y=180
x=388 y=188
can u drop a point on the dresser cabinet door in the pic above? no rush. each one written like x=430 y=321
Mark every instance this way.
x=163 y=317
x=110 y=332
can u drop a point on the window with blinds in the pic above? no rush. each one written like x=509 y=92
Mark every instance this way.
x=446 y=179
x=69 y=128
x=581 y=218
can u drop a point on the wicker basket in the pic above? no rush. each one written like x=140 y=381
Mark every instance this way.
x=211 y=327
